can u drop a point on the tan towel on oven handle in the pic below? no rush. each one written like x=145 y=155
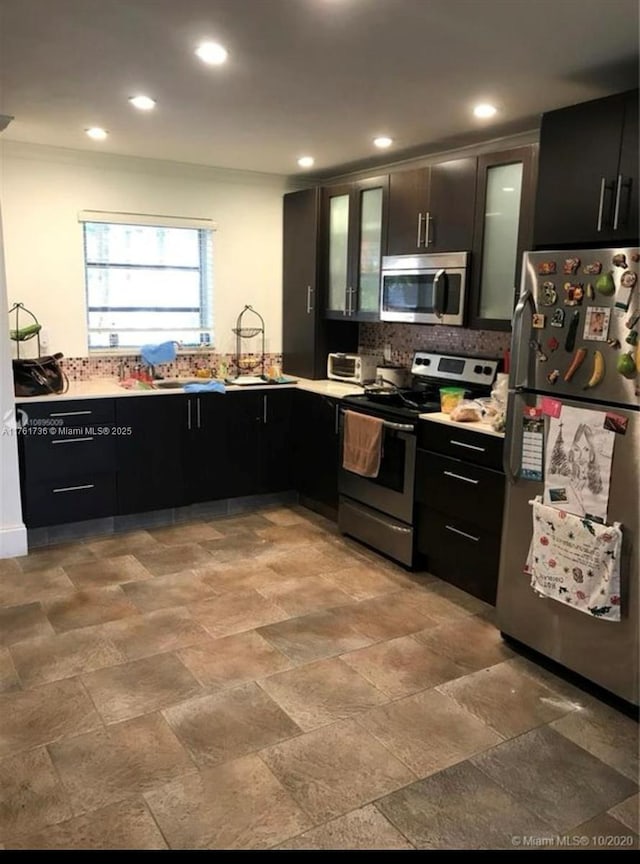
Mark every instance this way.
x=362 y=445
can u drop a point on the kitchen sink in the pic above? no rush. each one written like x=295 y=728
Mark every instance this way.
x=176 y=384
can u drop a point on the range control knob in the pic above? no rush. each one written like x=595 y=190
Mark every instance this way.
x=418 y=361
x=487 y=370
x=477 y=369
x=427 y=361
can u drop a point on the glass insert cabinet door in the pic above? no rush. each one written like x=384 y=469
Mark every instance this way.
x=370 y=250
x=354 y=226
x=500 y=246
x=338 y=252
x=503 y=231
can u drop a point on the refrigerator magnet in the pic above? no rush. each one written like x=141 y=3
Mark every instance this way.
x=627 y=284
x=537 y=321
x=546 y=268
x=574 y=293
x=620 y=260
x=552 y=343
x=616 y=423
x=596 y=324
x=570 y=266
x=592 y=269
x=532 y=444
x=548 y=294
x=557 y=319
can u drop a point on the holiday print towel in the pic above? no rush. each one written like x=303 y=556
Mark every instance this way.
x=575 y=561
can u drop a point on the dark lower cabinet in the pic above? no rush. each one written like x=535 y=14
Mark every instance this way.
x=459 y=504
x=315 y=451
x=151 y=473
x=67 y=461
x=134 y=454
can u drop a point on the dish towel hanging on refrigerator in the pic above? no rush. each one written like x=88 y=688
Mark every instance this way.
x=575 y=561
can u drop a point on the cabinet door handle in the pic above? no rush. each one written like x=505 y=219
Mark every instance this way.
x=603 y=186
x=428 y=219
x=74 y=488
x=264 y=410
x=189 y=414
x=198 y=412
x=468 y=446
x=616 y=209
x=350 y=300
x=419 y=237
x=309 y=296
x=462 y=533
x=70 y=440
x=337 y=419
x=460 y=477
x=70 y=413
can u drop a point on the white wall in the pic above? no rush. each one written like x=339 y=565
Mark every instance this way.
x=44 y=188
x=13 y=535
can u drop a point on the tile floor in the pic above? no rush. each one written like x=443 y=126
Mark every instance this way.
x=260 y=681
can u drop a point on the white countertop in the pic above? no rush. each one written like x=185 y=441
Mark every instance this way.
x=107 y=388
x=481 y=426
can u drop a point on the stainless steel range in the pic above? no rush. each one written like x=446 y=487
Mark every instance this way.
x=380 y=511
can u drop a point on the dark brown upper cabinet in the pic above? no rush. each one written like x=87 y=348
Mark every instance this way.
x=307 y=337
x=503 y=231
x=354 y=220
x=432 y=209
x=588 y=175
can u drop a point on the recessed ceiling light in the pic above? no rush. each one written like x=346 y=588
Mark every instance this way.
x=508 y=189
x=97 y=133
x=306 y=161
x=383 y=142
x=485 y=110
x=212 y=53
x=143 y=103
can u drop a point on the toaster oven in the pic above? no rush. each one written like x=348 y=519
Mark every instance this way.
x=352 y=368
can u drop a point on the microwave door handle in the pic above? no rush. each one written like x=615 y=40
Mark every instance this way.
x=440 y=292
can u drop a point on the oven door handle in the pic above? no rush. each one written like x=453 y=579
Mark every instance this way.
x=398 y=427
x=388 y=424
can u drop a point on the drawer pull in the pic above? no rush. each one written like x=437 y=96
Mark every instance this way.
x=468 y=446
x=74 y=488
x=70 y=440
x=70 y=413
x=463 y=533
x=460 y=477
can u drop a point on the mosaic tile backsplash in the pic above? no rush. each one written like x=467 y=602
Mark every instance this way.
x=220 y=365
x=405 y=339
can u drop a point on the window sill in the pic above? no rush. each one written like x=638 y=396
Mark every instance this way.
x=130 y=352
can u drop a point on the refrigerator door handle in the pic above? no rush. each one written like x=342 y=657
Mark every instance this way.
x=511 y=446
x=526 y=299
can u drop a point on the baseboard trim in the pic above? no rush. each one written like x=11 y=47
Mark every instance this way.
x=67 y=532
x=13 y=541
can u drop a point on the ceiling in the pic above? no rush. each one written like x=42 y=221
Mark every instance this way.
x=319 y=77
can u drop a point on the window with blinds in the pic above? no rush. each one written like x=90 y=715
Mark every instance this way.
x=147 y=283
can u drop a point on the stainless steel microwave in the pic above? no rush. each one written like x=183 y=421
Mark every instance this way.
x=424 y=289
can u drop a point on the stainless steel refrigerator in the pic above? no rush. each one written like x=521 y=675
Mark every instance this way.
x=573 y=302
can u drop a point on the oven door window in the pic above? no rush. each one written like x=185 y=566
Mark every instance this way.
x=392 y=465
x=413 y=292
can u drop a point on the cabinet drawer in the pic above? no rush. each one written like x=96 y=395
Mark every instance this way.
x=61 y=456
x=460 y=489
x=76 y=413
x=461 y=443
x=459 y=552
x=82 y=496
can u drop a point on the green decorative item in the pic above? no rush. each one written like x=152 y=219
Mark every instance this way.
x=605 y=284
x=626 y=365
x=25 y=332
